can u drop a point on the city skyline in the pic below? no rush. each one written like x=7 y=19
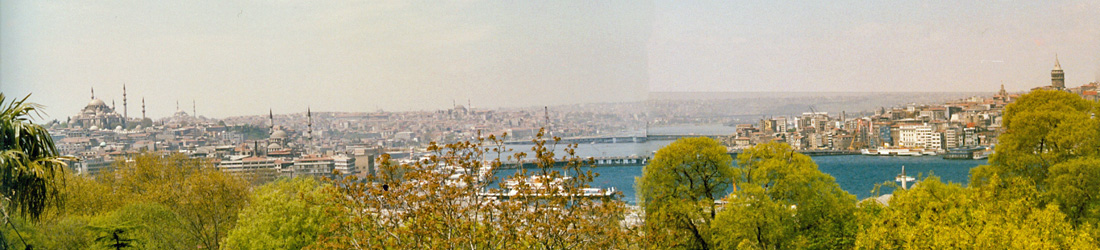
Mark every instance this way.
x=237 y=59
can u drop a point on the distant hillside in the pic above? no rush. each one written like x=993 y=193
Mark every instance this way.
x=792 y=103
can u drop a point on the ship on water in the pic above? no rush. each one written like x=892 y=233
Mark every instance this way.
x=898 y=152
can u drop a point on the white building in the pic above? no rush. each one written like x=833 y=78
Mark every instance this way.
x=345 y=165
x=919 y=136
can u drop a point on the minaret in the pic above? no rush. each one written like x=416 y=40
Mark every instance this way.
x=143 y=109
x=193 y=110
x=309 y=130
x=125 y=110
x=272 y=117
x=309 y=123
x=93 y=93
x=1057 y=77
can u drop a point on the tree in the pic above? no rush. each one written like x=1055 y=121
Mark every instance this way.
x=445 y=201
x=206 y=200
x=1075 y=186
x=147 y=225
x=208 y=204
x=1005 y=213
x=1042 y=128
x=30 y=167
x=781 y=200
x=285 y=214
x=1051 y=141
x=678 y=190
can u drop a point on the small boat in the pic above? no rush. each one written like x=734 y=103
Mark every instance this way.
x=536 y=182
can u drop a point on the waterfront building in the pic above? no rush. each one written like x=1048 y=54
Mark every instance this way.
x=919 y=136
x=950 y=137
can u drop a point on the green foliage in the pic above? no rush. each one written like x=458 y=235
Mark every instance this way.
x=1003 y=214
x=440 y=203
x=1075 y=185
x=782 y=201
x=157 y=201
x=285 y=214
x=1052 y=141
x=677 y=191
x=31 y=170
x=1042 y=128
x=147 y=225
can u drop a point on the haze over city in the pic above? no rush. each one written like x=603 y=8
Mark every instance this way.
x=242 y=58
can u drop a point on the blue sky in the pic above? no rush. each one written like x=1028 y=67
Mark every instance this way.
x=244 y=57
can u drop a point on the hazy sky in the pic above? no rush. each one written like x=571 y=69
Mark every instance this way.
x=244 y=57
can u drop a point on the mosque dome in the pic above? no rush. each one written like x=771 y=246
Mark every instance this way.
x=93 y=127
x=278 y=134
x=96 y=103
x=273 y=146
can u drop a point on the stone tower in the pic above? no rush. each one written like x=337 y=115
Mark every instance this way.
x=1057 y=77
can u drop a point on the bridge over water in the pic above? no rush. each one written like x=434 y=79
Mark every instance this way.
x=632 y=160
x=618 y=139
x=635 y=160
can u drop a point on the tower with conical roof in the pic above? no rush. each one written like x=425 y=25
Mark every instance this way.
x=1057 y=77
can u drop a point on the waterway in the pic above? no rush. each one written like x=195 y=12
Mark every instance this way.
x=856 y=174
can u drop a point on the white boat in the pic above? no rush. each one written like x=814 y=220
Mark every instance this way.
x=538 y=182
x=895 y=152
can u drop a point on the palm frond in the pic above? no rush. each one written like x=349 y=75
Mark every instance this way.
x=30 y=167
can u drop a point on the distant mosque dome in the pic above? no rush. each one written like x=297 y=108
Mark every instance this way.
x=278 y=134
x=273 y=146
x=96 y=103
x=93 y=127
x=118 y=127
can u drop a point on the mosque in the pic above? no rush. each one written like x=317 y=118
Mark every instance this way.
x=97 y=115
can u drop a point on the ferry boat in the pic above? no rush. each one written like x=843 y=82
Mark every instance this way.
x=537 y=182
x=896 y=152
x=976 y=153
